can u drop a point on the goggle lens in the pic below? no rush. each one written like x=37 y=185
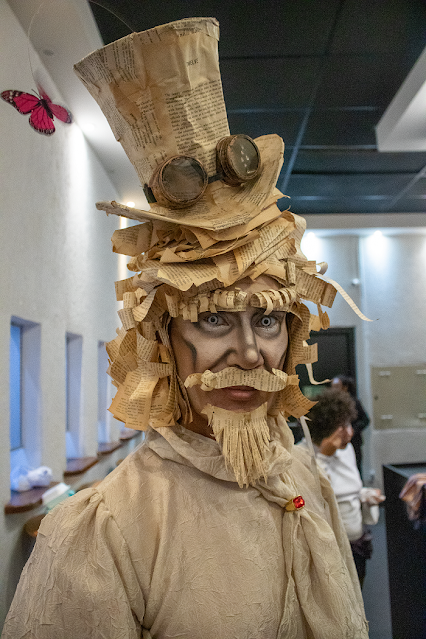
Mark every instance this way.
x=183 y=179
x=243 y=157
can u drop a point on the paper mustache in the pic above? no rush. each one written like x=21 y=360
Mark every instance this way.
x=260 y=379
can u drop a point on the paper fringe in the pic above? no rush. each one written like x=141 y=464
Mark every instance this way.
x=349 y=300
x=218 y=300
x=243 y=438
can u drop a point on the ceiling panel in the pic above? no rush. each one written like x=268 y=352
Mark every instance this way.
x=324 y=206
x=359 y=80
x=335 y=185
x=358 y=162
x=278 y=79
x=412 y=205
x=418 y=189
x=341 y=128
x=381 y=26
x=285 y=125
x=249 y=28
x=320 y=73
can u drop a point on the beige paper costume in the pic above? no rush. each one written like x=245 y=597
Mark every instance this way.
x=170 y=545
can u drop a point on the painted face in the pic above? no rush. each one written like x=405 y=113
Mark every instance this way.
x=247 y=340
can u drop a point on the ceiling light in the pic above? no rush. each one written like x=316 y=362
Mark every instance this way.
x=310 y=245
x=130 y=204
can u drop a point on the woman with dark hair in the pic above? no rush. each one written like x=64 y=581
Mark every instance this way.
x=361 y=419
x=330 y=425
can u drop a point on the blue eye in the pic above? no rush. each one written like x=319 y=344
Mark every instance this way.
x=213 y=320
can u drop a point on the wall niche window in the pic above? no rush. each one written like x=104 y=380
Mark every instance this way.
x=24 y=393
x=104 y=396
x=15 y=387
x=73 y=367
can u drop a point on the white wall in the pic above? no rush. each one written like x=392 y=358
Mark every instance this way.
x=57 y=269
x=392 y=291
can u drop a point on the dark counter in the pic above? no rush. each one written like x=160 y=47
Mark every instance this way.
x=406 y=557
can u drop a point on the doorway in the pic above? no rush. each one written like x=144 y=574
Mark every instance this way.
x=336 y=356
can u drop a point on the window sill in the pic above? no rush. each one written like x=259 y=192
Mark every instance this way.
x=129 y=434
x=106 y=449
x=28 y=500
x=79 y=465
x=33 y=524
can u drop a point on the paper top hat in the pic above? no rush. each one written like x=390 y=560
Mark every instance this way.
x=161 y=92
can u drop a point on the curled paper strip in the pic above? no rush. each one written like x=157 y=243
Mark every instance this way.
x=311 y=376
x=271 y=300
x=349 y=300
x=260 y=379
x=322 y=268
x=311 y=355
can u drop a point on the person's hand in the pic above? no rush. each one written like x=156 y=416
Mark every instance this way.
x=339 y=439
x=372 y=496
x=412 y=487
x=413 y=495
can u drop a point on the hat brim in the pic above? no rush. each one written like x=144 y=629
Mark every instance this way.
x=221 y=206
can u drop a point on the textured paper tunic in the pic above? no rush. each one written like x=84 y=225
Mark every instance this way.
x=168 y=546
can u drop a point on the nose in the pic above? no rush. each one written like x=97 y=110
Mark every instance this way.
x=245 y=352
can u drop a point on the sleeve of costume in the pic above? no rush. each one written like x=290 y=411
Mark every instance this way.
x=79 y=582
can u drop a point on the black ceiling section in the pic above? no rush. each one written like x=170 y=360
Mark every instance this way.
x=285 y=124
x=274 y=82
x=320 y=73
x=363 y=161
x=418 y=190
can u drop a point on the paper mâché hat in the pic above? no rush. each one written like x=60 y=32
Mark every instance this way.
x=161 y=92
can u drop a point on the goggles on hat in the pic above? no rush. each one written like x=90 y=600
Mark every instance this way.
x=181 y=180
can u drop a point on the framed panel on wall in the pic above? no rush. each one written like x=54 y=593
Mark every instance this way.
x=399 y=394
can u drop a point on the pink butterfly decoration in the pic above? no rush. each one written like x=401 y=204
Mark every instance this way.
x=41 y=108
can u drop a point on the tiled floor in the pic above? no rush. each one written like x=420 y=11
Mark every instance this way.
x=376 y=589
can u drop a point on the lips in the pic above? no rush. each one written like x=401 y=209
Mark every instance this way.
x=241 y=393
